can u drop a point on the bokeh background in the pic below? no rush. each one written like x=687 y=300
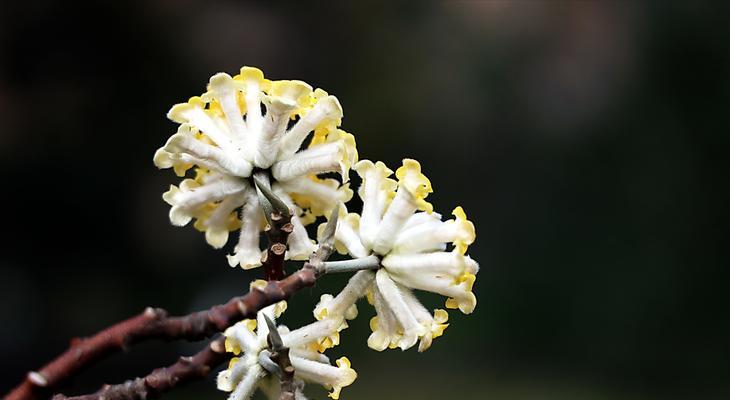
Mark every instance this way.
x=586 y=140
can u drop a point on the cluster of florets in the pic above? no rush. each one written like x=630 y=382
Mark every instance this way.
x=288 y=134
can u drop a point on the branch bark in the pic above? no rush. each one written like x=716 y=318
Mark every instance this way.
x=277 y=233
x=161 y=380
x=154 y=323
x=288 y=386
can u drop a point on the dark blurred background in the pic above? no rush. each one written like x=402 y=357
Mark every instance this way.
x=586 y=140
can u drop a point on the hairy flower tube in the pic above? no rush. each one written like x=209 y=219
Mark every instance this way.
x=249 y=369
x=247 y=125
x=411 y=241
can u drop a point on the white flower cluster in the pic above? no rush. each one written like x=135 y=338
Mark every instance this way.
x=247 y=340
x=225 y=136
x=398 y=244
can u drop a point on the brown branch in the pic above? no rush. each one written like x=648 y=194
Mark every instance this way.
x=288 y=385
x=161 y=380
x=154 y=323
x=277 y=232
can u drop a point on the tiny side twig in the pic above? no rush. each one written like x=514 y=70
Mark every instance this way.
x=161 y=380
x=288 y=385
x=280 y=355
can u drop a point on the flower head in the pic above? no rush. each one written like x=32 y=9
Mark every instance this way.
x=248 y=369
x=398 y=225
x=226 y=138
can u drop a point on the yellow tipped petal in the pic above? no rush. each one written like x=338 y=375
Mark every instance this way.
x=250 y=324
x=440 y=316
x=296 y=92
x=409 y=176
x=349 y=376
x=374 y=323
x=467 y=232
x=232 y=346
x=255 y=75
x=176 y=113
x=467 y=301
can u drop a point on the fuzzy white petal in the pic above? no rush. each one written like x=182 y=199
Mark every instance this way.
x=311 y=333
x=247 y=386
x=394 y=300
x=343 y=305
x=327 y=375
x=325 y=158
x=230 y=161
x=225 y=89
x=401 y=208
x=247 y=252
x=375 y=191
x=327 y=108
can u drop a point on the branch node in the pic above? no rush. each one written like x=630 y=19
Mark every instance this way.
x=37 y=379
x=273 y=291
x=278 y=248
x=241 y=306
x=217 y=347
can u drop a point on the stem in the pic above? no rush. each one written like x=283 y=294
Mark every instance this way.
x=161 y=380
x=356 y=264
x=277 y=232
x=278 y=229
x=155 y=324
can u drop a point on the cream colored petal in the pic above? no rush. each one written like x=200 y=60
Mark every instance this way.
x=384 y=326
x=218 y=224
x=327 y=109
x=393 y=297
x=434 y=326
x=247 y=252
x=214 y=128
x=313 y=332
x=242 y=335
x=310 y=355
x=458 y=290
x=318 y=195
x=410 y=178
x=228 y=379
x=343 y=305
x=402 y=208
x=230 y=161
x=375 y=191
x=421 y=218
x=253 y=81
x=451 y=264
x=246 y=387
x=272 y=130
x=329 y=376
x=347 y=234
x=226 y=90
x=329 y=157
x=424 y=237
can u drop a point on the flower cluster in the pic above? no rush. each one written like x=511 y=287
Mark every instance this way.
x=226 y=138
x=412 y=248
x=250 y=368
x=287 y=135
